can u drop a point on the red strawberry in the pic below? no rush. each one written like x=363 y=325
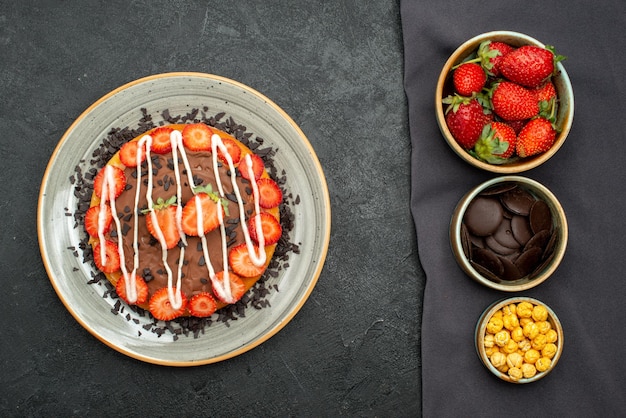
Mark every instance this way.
x=119 y=182
x=511 y=101
x=270 y=227
x=465 y=120
x=545 y=92
x=161 y=143
x=165 y=214
x=496 y=144
x=232 y=148
x=536 y=137
x=257 y=167
x=240 y=261
x=209 y=206
x=517 y=125
x=237 y=287
x=112 y=257
x=469 y=78
x=197 y=137
x=202 y=305
x=91 y=220
x=270 y=195
x=128 y=154
x=528 y=65
x=161 y=307
x=491 y=53
x=140 y=285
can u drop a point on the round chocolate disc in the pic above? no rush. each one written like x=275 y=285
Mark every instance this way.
x=498 y=188
x=483 y=216
x=521 y=229
x=510 y=272
x=498 y=248
x=518 y=201
x=489 y=260
x=528 y=260
x=504 y=235
x=539 y=240
x=540 y=216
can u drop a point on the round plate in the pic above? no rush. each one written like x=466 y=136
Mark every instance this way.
x=180 y=93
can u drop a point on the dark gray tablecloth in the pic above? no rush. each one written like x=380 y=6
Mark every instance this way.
x=587 y=175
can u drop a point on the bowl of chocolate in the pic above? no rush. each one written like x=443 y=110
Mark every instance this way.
x=482 y=130
x=519 y=339
x=509 y=233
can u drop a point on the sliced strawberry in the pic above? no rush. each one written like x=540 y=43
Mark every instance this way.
x=128 y=154
x=270 y=195
x=91 y=220
x=202 y=305
x=112 y=257
x=161 y=140
x=257 y=167
x=240 y=261
x=161 y=307
x=165 y=213
x=232 y=148
x=119 y=182
x=270 y=227
x=140 y=285
x=237 y=287
x=209 y=208
x=197 y=137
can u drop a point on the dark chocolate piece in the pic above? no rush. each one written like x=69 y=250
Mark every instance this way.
x=528 y=260
x=504 y=235
x=521 y=229
x=483 y=215
x=518 y=201
x=489 y=260
x=540 y=216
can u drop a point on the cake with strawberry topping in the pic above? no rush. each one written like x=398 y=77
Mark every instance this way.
x=183 y=220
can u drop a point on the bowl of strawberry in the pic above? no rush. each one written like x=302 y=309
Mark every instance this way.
x=504 y=102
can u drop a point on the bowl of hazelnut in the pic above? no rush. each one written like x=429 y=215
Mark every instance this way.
x=519 y=339
x=509 y=233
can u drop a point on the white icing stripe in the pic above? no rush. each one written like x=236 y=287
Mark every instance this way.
x=176 y=140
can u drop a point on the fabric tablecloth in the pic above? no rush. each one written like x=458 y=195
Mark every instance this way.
x=588 y=176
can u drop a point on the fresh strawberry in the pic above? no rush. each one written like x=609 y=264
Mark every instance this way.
x=528 y=65
x=237 y=287
x=496 y=143
x=535 y=138
x=270 y=195
x=202 y=305
x=491 y=53
x=517 y=125
x=257 y=167
x=161 y=143
x=208 y=201
x=161 y=308
x=469 y=78
x=164 y=212
x=140 y=285
x=465 y=120
x=197 y=137
x=128 y=154
x=112 y=257
x=240 y=261
x=511 y=101
x=545 y=92
x=118 y=178
x=91 y=220
x=232 y=148
x=270 y=228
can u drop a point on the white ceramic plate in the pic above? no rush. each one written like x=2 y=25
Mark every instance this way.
x=181 y=92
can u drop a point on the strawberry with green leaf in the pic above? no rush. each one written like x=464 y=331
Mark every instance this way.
x=511 y=101
x=465 y=118
x=529 y=65
x=163 y=215
x=491 y=53
x=208 y=202
x=468 y=78
x=496 y=144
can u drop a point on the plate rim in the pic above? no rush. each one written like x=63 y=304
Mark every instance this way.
x=282 y=321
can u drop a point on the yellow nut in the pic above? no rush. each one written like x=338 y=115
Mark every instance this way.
x=498 y=359
x=528 y=370
x=515 y=373
x=517 y=334
x=540 y=313
x=510 y=321
x=524 y=321
x=539 y=342
x=510 y=347
x=543 y=364
x=531 y=330
x=489 y=340
x=544 y=326
x=514 y=360
x=551 y=336
x=494 y=325
x=502 y=338
x=524 y=345
x=497 y=314
x=531 y=356
x=549 y=350
x=524 y=309
x=490 y=350
x=504 y=368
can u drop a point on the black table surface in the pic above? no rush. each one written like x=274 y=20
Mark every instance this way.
x=337 y=69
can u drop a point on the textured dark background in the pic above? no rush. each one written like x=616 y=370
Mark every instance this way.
x=336 y=69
